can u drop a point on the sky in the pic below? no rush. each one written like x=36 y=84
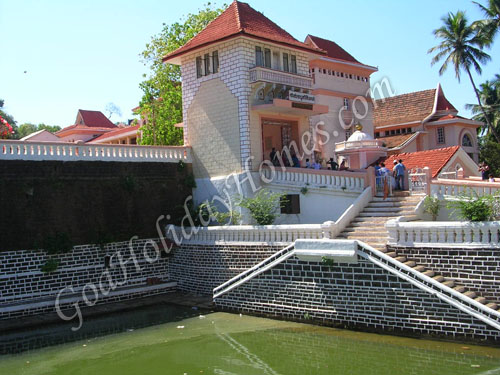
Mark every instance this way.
x=61 y=56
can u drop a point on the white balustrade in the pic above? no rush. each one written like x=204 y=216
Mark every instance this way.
x=443 y=233
x=337 y=180
x=352 y=145
x=456 y=188
x=261 y=74
x=23 y=150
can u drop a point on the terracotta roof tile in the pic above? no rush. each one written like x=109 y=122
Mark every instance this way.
x=332 y=49
x=95 y=119
x=116 y=132
x=395 y=140
x=400 y=109
x=240 y=19
x=434 y=159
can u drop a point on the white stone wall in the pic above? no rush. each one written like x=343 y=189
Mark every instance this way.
x=236 y=58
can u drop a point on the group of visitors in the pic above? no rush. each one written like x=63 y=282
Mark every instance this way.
x=485 y=172
x=277 y=159
x=396 y=176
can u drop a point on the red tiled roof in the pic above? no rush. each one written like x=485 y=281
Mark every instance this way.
x=434 y=159
x=116 y=132
x=240 y=19
x=444 y=105
x=83 y=128
x=395 y=140
x=332 y=49
x=95 y=119
x=400 y=109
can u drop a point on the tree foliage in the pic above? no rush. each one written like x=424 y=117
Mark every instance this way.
x=8 y=127
x=29 y=128
x=461 y=47
x=490 y=98
x=490 y=26
x=489 y=152
x=263 y=206
x=161 y=104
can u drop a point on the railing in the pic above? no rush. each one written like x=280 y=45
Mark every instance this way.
x=353 y=145
x=431 y=286
x=276 y=76
x=249 y=233
x=456 y=188
x=391 y=265
x=448 y=175
x=337 y=180
x=443 y=233
x=250 y=273
x=269 y=233
x=23 y=150
x=417 y=181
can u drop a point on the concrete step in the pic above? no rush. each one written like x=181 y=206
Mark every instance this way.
x=419 y=268
x=369 y=234
x=392 y=254
x=401 y=259
x=410 y=263
x=389 y=209
x=449 y=283
x=470 y=294
x=480 y=300
x=492 y=305
x=459 y=288
x=392 y=204
x=439 y=278
x=429 y=273
x=379 y=214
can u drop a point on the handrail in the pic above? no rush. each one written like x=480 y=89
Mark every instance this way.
x=269 y=233
x=444 y=233
x=416 y=278
x=428 y=284
x=336 y=180
x=260 y=73
x=254 y=271
x=348 y=145
x=68 y=151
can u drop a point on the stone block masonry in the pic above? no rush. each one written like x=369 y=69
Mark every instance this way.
x=26 y=290
x=200 y=268
x=476 y=269
x=88 y=201
x=355 y=296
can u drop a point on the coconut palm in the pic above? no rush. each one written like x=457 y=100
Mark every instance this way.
x=490 y=98
x=490 y=26
x=461 y=47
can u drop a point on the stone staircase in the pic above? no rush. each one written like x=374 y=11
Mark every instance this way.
x=369 y=227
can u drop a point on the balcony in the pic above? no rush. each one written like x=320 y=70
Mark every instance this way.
x=358 y=145
x=261 y=74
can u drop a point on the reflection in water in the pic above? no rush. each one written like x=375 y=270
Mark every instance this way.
x=228 y=344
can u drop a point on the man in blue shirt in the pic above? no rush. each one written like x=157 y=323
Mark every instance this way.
x=399 y=174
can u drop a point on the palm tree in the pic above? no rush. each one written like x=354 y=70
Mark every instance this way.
x=490 y=98
x=461 y=47
x=490 y=26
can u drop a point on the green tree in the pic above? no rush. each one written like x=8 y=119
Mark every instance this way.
x=26 y=129
x=161 y=104
x=489 y=152
x=490 y=26
x=263 y=207
x=50 y=128
x=490 y=98
x=461 y=47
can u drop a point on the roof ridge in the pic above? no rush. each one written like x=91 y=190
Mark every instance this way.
x=238 y=16
x=407 y=93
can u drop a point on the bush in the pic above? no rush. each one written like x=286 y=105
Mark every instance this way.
x=50 y=266
x=263 y=206
x=222 y=218
x=473 y=207
x=432 y=206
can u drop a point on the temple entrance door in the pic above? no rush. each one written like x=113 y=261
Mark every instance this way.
x=278 y=134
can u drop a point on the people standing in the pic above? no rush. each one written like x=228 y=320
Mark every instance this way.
x=273 y=156
x=333 y=165
x=399 y=174
x=485 y=171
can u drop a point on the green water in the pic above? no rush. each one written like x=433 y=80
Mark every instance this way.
x=226 y=344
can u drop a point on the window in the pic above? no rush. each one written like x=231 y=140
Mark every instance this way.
x=377 y=134
x=199 y=73
x=346 y=103
x=206 y=60
x=440 y=135
x=259 y=58
x=215 y=62
x=293 y=60
x=290 y=204
x=466 y=141
x=286 y=67
x=276 y=60
x=267 y=57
